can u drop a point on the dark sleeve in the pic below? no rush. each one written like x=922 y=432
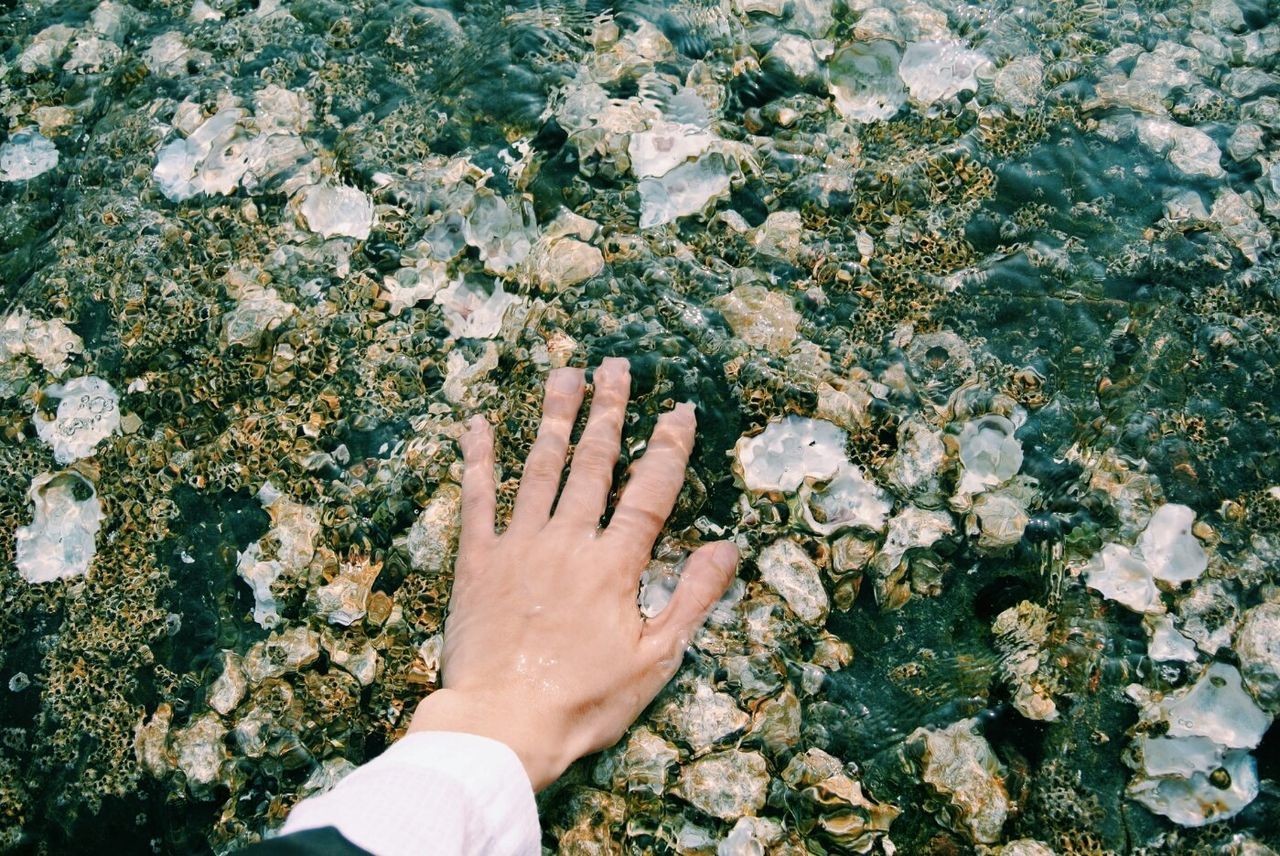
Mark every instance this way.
x=326 y=841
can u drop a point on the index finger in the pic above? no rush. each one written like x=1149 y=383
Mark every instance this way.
x=656 y=479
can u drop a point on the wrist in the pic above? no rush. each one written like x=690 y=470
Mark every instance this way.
x=544 y=753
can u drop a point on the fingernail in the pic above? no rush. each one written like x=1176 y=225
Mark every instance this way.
x=477 y=423
x=615 y=366
x=564 y=380
x=725 y=554
x=687 y=410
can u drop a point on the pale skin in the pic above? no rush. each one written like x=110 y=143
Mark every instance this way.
x=545 y=649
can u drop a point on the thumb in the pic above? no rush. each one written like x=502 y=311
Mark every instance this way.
x=705 y=578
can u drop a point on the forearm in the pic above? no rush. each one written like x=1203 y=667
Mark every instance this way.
x=462 y=792
x=545 y=754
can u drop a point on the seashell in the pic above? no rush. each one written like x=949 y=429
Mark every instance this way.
x=788 y=570
x=789 y=451
x=849 y=500
x=989 y=453
x=961 y=766
x=61 y=540
x=200 y=753
x=88 y=413
x=727 y=784
x=761 y=317
x=229 y=688
x=1257 y=645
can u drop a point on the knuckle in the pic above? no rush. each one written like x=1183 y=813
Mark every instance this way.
x=543 y=465
x=642 y=516
x=557 y=404
x=596 y=457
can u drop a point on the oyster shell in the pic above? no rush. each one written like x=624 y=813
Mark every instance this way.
x=88 y=413
x=61 y=540
x=788 y=570
x=1258 y=646
x=989 y=453
x=958 y=762
x=727 y=784
x=789 y=451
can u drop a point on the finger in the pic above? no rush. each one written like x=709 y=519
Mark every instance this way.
x=706 y=576
x=650 y=493
x=591 y=475
x=545 y=464
x=479 y=494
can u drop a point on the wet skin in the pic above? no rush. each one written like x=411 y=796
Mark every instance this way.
x=544 y=647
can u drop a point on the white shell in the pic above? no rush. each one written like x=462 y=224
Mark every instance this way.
x=1170 y=550
x=61 y=540
x=989 y=453
x=88 y=412
x=789 y=451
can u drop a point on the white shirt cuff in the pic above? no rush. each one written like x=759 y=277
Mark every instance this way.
x=441 y=792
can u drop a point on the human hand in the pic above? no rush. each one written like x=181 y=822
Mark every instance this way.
x=544 y=647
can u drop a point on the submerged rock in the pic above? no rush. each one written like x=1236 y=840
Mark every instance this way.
x=336 y=211
x=863 y=79
x=61 y=540
x=27 y=155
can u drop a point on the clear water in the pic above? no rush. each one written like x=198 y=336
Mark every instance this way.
x=1090 y=212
